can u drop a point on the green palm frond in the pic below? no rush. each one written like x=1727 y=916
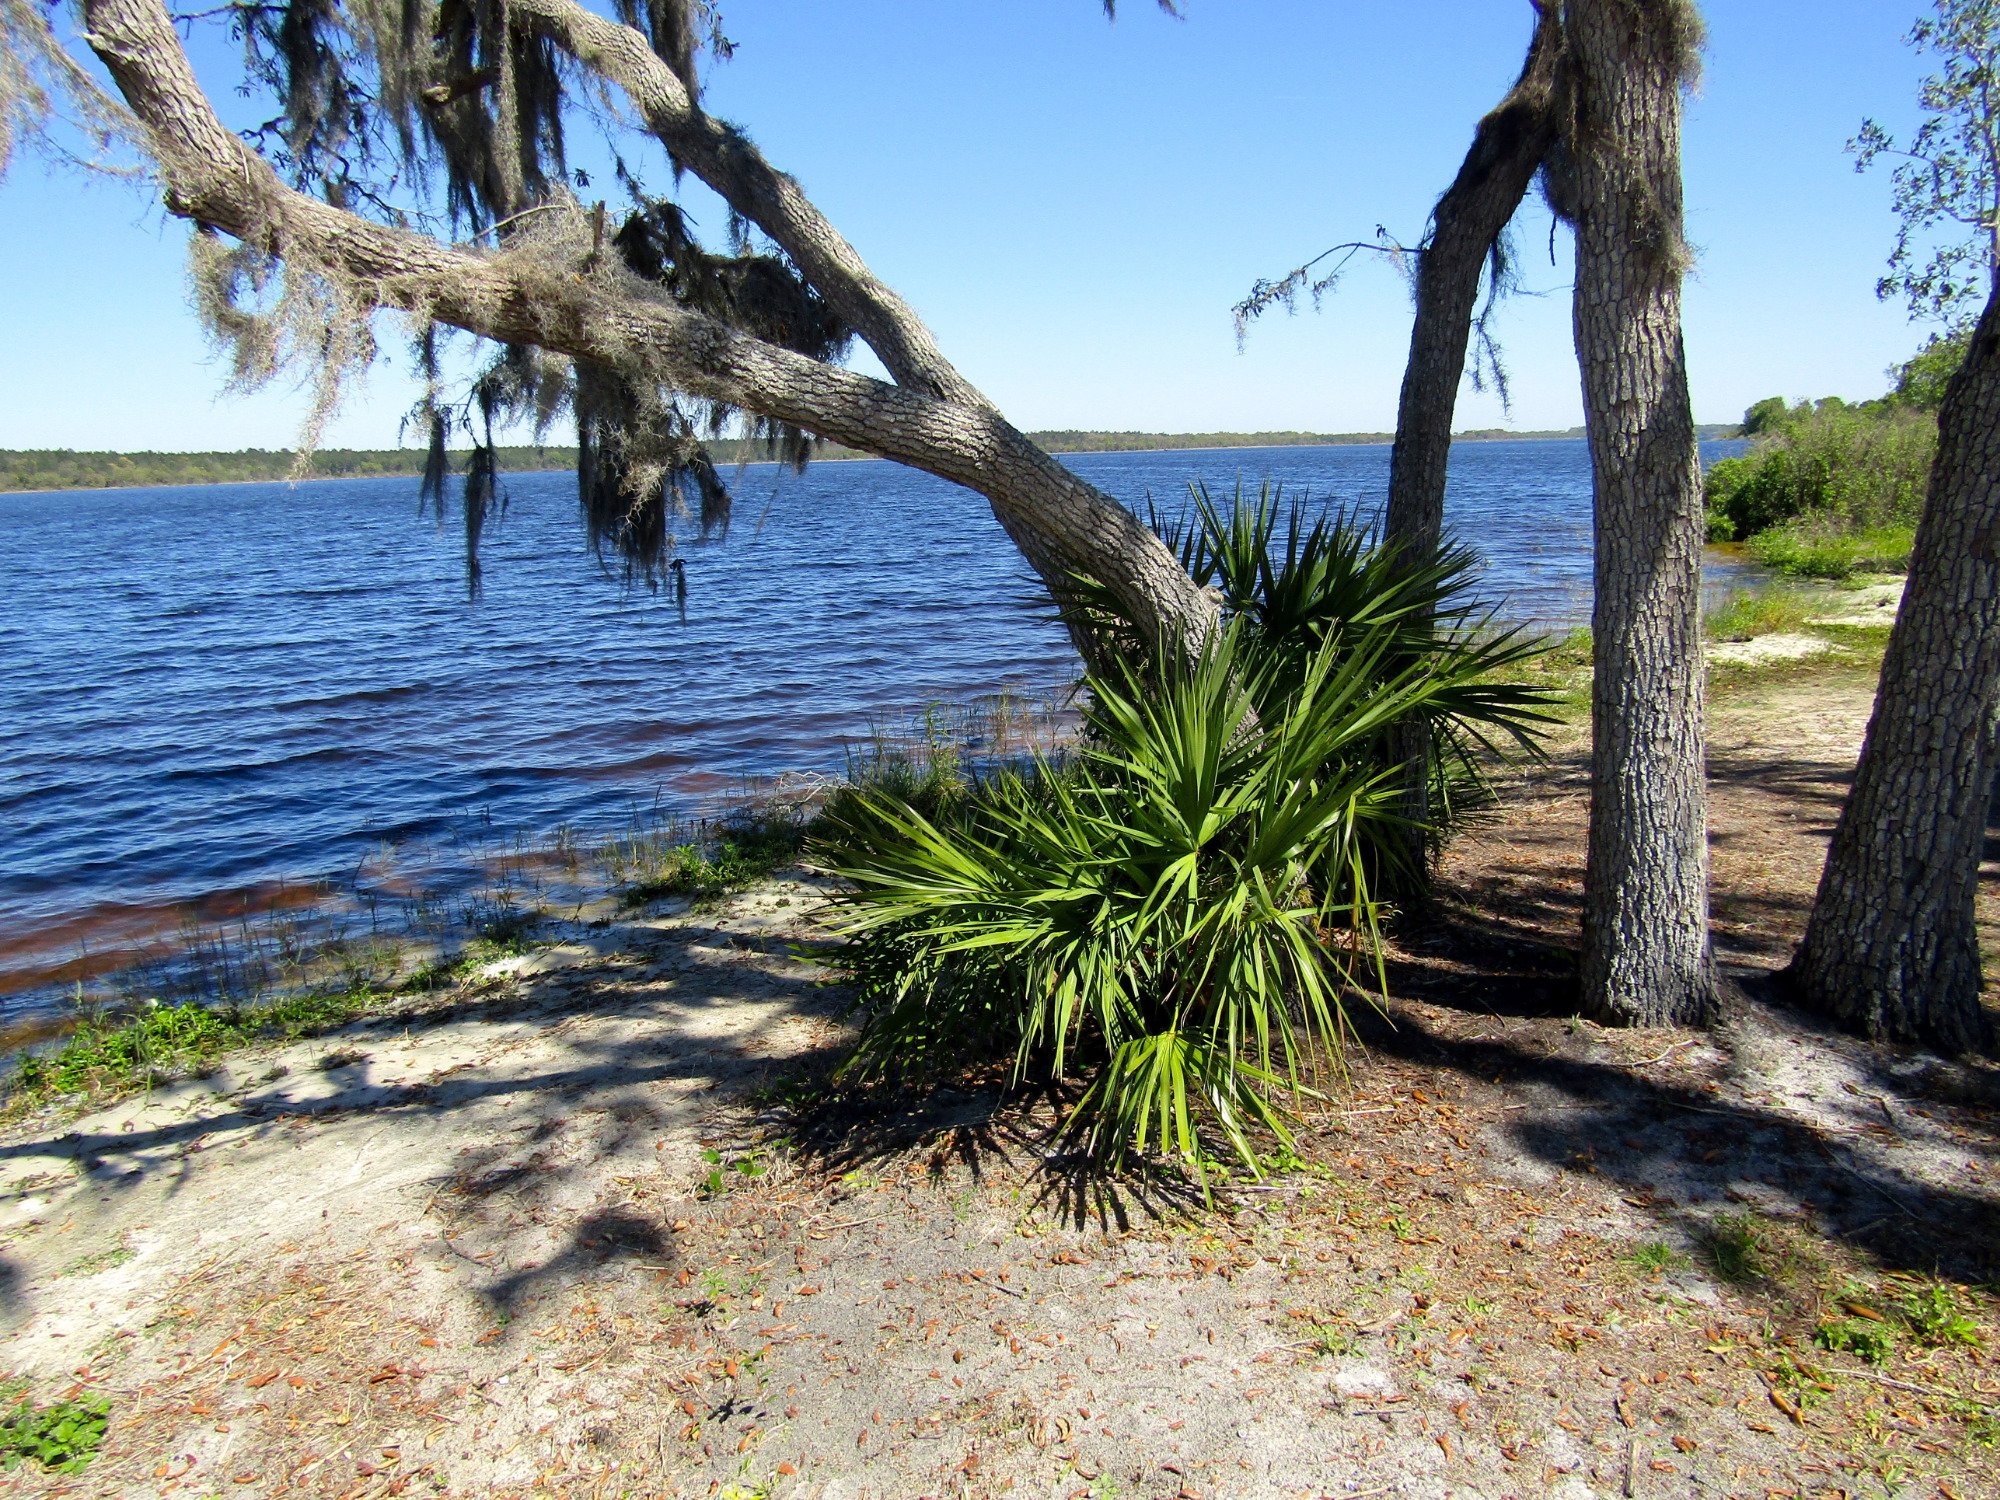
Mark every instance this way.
x=1184 y=910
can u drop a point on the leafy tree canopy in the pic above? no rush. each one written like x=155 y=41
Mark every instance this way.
x=1947 y=175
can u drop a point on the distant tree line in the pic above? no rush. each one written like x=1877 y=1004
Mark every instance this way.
x=66 y=469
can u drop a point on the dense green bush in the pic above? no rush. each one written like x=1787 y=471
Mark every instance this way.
x=1851 y=468
x=1179 y=911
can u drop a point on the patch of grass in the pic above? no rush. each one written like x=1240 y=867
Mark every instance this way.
x=103 y=1260
x=1657 y=1257
x=62 y=1437
x=1737 y=1249
x=1805 y=549
x=749 y=849
x=1755 y=612
x=159 y=1042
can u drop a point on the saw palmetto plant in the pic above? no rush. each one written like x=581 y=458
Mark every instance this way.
x=1178 y=914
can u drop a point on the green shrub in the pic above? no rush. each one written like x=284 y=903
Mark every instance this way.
x=1302 y=583
x=1181 y=910
x=1854 y=468
x=63 y=1437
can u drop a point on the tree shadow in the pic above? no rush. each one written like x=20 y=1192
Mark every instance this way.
x=598 y=1239
x=1687 y=1153
x=976 y=1126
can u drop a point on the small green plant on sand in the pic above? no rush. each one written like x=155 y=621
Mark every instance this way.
x=63 y=1437
x=1657 y=1257
x=1935 y=1317
x=1864 y=1338
x=723 y=1171
x=1736 y=1248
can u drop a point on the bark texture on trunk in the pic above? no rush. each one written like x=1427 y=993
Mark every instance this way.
x=1891 y=949
x=931 y=418
x=1646 y=955
x=1466 y=225
x=1507 y=151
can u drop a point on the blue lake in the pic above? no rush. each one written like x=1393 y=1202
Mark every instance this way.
x=212 y=692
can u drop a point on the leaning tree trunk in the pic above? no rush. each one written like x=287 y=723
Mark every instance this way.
x=1892 y=947
x=1465 y=231
x=1646 y=955
x=567 y=298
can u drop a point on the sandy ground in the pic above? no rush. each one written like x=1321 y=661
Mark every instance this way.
x=592 y=1227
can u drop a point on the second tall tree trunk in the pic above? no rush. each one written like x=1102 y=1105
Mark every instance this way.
x=1892 y=948
x=1465 y=231
x=1646 y=955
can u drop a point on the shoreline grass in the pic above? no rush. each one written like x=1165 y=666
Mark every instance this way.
x=245 y=988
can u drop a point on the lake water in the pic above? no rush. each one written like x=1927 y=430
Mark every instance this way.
x=209 y=695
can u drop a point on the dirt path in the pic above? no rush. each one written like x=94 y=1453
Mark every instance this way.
x=595 y=1229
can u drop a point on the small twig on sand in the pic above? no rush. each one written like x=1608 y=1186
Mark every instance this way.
x=1925 y=1390
x=1649 y=1061
x=1631 y=1469
x=465 y=1255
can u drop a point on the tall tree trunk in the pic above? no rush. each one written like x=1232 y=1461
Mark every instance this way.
x=1892 y=949
x=1646 y=955
x=1465 y=234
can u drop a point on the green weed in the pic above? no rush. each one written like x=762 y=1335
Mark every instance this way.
x=1862 y=1337
x=723 y=1172
x=63 y=1437
x=1657 y=1256
x=161 y=1041
x=1935 y=1317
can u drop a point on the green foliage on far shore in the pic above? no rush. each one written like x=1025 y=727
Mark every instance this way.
x=1830 y=489
x=62 y=469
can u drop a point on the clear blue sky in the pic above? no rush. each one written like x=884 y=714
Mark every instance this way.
x=1074 y=206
